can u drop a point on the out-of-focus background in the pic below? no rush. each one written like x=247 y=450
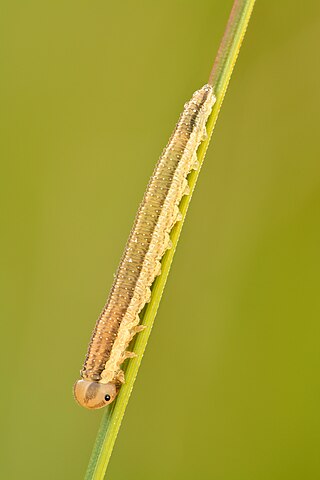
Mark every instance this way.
x=229 y=387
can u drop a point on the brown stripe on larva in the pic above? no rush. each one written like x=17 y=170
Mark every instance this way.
x=148 y=241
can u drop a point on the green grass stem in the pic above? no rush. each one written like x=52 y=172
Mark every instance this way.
x=219 y=78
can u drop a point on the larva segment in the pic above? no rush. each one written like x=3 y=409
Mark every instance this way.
x=148 y=241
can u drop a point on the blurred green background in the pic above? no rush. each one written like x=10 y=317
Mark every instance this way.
x=229 y=386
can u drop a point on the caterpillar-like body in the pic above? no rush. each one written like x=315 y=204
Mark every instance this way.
x=119 y=321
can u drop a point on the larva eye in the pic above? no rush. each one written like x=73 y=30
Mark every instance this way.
x=94 y=395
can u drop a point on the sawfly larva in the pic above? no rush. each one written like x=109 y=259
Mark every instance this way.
x=102 y=375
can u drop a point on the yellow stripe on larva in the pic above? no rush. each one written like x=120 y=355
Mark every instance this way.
x=102 y=375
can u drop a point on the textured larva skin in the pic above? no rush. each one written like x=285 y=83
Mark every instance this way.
x=148 y=241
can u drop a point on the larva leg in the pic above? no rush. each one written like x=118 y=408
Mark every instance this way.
x=186 y=189
x=135 y=321
x=157 y=270
x=195 y=162
x=126 y=355
x=177 y=215
x=148 y=294
x=132 y=325
x=120 y=376
x=139 y=328
x=204 y=134
x=167 y=244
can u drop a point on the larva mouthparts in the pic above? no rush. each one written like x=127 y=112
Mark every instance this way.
x=140 y=264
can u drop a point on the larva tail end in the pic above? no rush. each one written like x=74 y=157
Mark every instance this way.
x=93 y=395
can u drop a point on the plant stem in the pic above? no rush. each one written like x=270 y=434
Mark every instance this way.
x=219 y=79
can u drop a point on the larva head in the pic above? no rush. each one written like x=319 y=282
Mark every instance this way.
x=94 y=395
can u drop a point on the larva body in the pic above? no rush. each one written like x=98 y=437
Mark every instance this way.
x=102 y=375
